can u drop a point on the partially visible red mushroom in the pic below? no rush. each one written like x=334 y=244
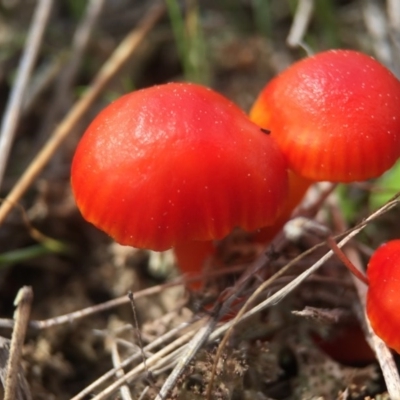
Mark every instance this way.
x=383 y=296
x=174 y=163
x=347 y=346
x=335 y=116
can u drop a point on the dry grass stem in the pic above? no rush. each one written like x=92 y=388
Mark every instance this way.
x=85 y=312
x=393 y=12
x=163 y=355
x=190 y=351
x=14 y=106
x=42 y=80
x=376 y=22
x=161 y=341
x=23 y=302
x=116 y=359
x=121 y=54
x=300 y=23
x=71 y=317
x=63 y=95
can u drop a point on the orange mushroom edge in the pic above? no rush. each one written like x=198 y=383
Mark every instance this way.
x=174 y=163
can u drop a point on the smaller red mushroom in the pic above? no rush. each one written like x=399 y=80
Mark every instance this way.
x=335 y=116
x=175 y=163
x=383 y=296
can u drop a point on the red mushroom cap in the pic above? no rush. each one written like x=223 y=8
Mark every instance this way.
x=174 y=163
x=383 y=297
x=335 y=116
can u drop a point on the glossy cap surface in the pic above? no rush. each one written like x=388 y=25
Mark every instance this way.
x=174 y=163
x=336 y=116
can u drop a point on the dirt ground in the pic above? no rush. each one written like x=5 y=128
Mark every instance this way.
x=237 y=46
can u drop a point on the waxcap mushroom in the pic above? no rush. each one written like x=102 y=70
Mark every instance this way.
x=335 y=116
x=174 y=163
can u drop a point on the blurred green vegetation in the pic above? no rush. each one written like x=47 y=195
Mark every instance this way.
x=385 y=187
x=190 y=41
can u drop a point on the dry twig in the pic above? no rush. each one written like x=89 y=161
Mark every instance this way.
x=121 y=54
x=71 y=317
x=80 y=41
x=125 y=393
x=300 y=24
x=15 y=103
x=161 y=341
x=23 y=303
x=377 y=26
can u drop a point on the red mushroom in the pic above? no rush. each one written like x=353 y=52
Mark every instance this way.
x=383 y=296
x=175 y=163
x=335 y=116
x=192 y=257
